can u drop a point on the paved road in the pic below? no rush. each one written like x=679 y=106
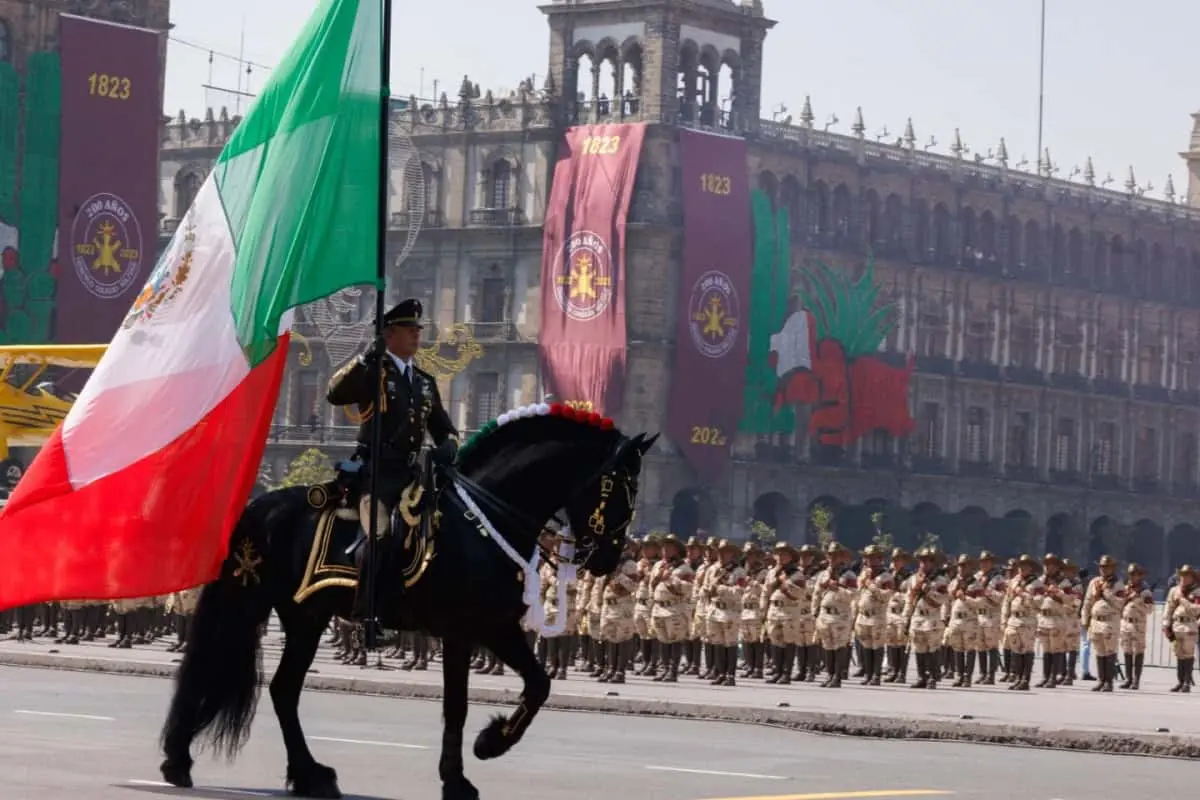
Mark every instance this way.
x=66 y=736
x=1151 y=711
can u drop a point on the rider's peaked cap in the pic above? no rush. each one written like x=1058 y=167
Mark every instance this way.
x=405 y=314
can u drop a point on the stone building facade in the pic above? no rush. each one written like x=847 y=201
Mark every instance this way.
x=1055 y=324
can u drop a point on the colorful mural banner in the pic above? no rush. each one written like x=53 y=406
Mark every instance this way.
x=582 y=338
x=714 y=290
x=826 y=356
x=108 y=186
x=771 y=288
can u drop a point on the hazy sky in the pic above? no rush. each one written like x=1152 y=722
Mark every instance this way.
x=1121 y=78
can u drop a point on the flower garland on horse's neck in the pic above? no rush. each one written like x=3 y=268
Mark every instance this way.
x=536 y=410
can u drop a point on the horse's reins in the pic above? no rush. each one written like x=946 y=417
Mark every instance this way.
x=522 y=519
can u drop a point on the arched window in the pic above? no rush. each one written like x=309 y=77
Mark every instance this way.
x=187 y=186
x=5 y=41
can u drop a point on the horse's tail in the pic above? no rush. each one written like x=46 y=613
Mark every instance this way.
x=217 y=686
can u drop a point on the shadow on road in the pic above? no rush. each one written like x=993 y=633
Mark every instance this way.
x=223 y=792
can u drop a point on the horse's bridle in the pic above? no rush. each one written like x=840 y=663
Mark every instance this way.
x=610 y=476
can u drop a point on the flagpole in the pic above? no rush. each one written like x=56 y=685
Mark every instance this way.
x=385 y=108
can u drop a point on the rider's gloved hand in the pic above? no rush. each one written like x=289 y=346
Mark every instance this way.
x=445 y=453
x=374 y=353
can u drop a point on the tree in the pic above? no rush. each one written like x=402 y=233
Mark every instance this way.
x=822 y=522
x=881 y=538
x=762 y=533
x=311 y=467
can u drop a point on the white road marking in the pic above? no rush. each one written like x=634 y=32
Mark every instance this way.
x=63 y=715
x=398 y=745
x=207 y=789
x=718 y=773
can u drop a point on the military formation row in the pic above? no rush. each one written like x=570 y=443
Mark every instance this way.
x=133 y=622
x=795 y=613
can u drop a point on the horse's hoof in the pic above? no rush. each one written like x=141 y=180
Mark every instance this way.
x=460 y=789
x=315 y=780
x=493 y=741
x=177 y=773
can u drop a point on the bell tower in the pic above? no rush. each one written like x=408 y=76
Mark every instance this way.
x=696 y=62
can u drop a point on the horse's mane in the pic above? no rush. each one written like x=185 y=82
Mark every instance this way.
x=533 y=425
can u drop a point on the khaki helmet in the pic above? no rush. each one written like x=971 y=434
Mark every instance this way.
x=1135 y=568
x=1187 y=569
x=727 y=545
x=1051 y=558
x=1107 y=561
x=751 y=548
x=872 y=550
x=808 y=550
x=1026 y=560
x=672 y=540
x=987 y=555
x=900 y=554
x=784 y=547
x=964 y=560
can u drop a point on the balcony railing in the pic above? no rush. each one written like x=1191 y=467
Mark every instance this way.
x=312 y=435
x=497 y=217
x=432 y=218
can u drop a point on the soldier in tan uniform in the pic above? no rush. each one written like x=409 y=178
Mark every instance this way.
x=1102 y=604
x=1072 y=625
x=616 y=617
x=833 y=603
x=784 y=593
x=927 y=594
x=694 y=556
x=650 y=553
x=753 y=611
x=587 y=644
x=700 y=609
x=875 y=589
x=724 y=583
x=1021 y=624
x=992 y=584
x=1052 y=611
x=560 y=648
x=182 y=606
x=1182 y=625
x=1011 y=572
x=962 y=629
x=897 y=622
x=595 y=607
x=671 y=582
x=1135 y=616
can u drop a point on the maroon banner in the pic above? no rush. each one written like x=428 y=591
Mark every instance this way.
x=714 y=282
x=108 y=179
x=582 y=337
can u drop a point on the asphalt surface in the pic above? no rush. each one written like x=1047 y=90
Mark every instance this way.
x=67 y=736
x=1152 y=712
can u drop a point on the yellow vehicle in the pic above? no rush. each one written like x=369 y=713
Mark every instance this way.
x=31 y=405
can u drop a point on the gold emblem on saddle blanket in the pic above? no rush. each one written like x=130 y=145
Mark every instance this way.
x=248 y=563
x=321 y=572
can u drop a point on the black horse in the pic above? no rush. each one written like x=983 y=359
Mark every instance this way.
x=286 y=554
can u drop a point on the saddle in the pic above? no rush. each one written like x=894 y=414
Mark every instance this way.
x=338 y=542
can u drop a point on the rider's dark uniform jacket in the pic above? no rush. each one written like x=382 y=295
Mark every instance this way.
x=409 y=410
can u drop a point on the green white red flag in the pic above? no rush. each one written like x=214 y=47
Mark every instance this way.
x=137 y=491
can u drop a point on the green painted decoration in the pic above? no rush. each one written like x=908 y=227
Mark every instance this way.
x=29 y=304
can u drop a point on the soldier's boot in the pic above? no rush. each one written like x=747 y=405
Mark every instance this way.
x=960 y=660
x=731 y=660
x=1101 y=673
x=1188 y=663
x=905 y=658
x=993 y=666
x=859 y=652
x=625 y=652
x=877 y=661
x=866 y=662
x=1138 y=662
x=1112 y=673
x=717 y=662
x=922 y=672
x=896 y=658
x=1128 y=672
x=760 y=661
x=777 y=661
x=610 y=663
x=948 y=666
x=985 y=659
x=1007 y=661
x=1069 y=662
x=816 y=662
x=1053 y=681
x=1027 y=672
x=565 y=645
x=643 y=652
x=1016 y=665
x=747 y=660
x=1047 y=669
x=803 y=660
x=797 y=664
x=787 y=663
x=935 y=668
x=838 y=665
x=968 y=668
x=830 y=661
x=423 y=655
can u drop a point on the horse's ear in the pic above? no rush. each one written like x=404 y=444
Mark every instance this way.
x=644 y=444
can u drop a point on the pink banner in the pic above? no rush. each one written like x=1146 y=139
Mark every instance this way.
x=582 y=339
x=108 y=180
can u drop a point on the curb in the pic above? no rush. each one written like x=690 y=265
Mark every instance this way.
x=1162 y=745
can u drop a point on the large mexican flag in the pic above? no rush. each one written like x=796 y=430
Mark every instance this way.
x=136 y=493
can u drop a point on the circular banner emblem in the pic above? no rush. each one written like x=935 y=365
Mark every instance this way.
x=106 y=246
x=713 y=314
x=583 y=279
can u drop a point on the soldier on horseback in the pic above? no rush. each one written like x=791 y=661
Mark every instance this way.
x=411 y=407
